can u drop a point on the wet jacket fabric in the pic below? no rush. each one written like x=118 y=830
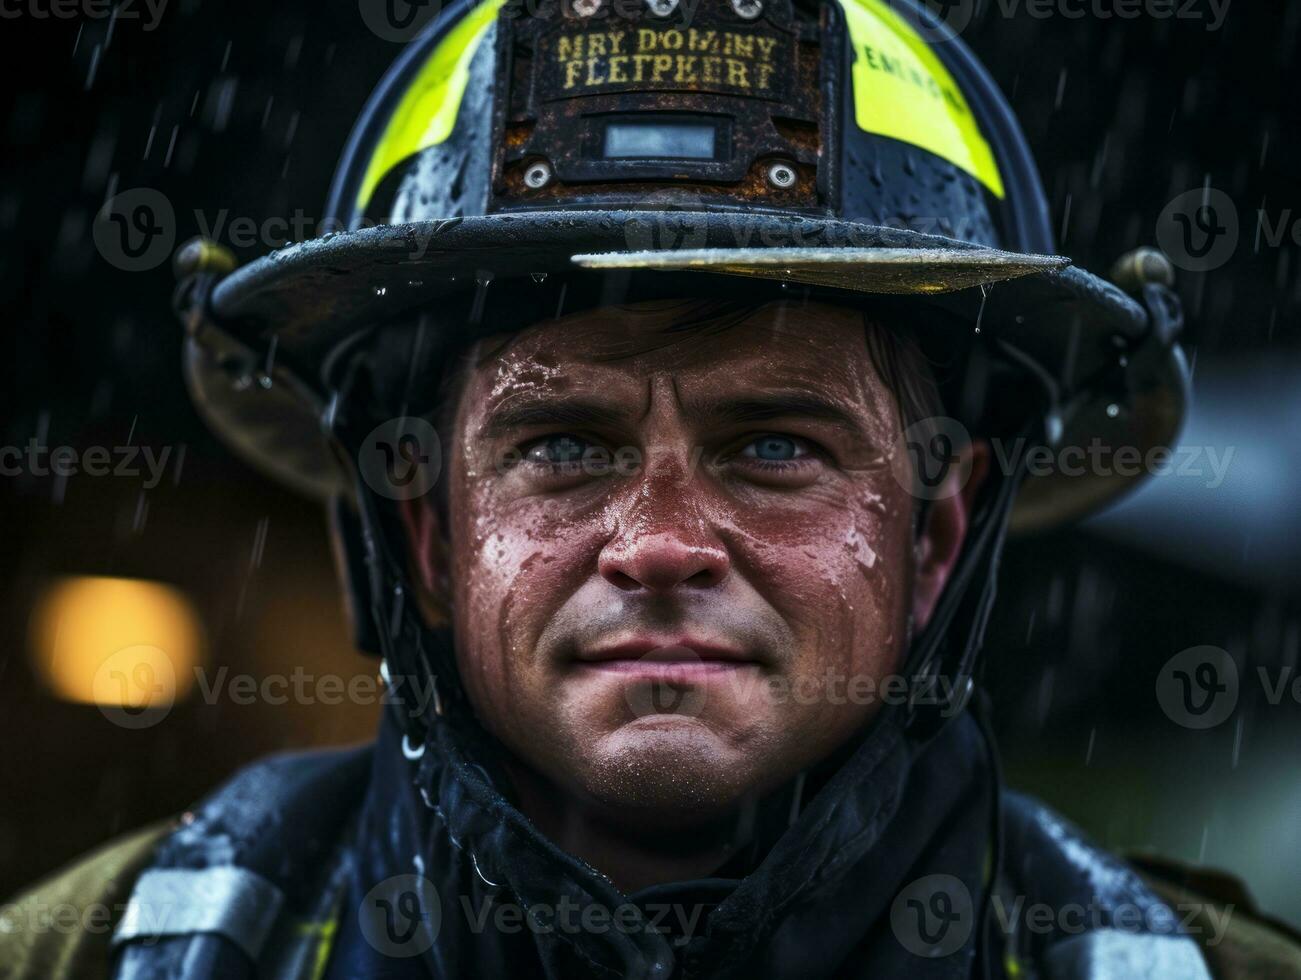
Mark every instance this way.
x=370 y=863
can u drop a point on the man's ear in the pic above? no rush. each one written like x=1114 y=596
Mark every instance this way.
x=427 y=557
x=944 y=528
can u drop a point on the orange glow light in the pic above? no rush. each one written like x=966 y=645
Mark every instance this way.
x=115 y=641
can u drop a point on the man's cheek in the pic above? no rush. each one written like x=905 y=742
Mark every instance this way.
x=842 y=596
x=820 y=568
x=500 y=544
x=512 y=583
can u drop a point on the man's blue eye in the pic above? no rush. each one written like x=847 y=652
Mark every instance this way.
x=773 y=448
x=558 y=449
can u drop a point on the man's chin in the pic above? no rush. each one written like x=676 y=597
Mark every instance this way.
x=666 y=766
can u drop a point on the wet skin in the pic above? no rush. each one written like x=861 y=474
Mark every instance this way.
x=673 y=556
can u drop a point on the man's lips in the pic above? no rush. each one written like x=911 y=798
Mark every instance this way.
x=666 y=658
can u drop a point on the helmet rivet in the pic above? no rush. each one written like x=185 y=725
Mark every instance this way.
x=747 y=9
x=782 y=175
x=586 y=8
x=1137 y=268
x=662 y=8
x=203 y=256
x=538 y=174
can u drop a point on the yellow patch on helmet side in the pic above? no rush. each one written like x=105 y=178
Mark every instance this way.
x=903 y=91
x=427 y=113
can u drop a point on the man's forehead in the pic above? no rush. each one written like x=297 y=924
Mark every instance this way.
x=779 y=346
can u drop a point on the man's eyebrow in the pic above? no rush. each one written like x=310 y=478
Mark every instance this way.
x=583 y=412
x=551 y=411
x=762 y=408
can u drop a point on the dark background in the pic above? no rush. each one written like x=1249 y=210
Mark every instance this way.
x=241 y=109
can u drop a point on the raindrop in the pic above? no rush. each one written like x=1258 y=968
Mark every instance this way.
x=171 y=146
x=984 y=296
x=294 y=52
x=220 y=104
x=396 y=611
x=142 y=513
x=538 y=276
x=259 y=543
x=94 y=67
x=480 y=297
x=270 y=364
x=292 y=129
x=180 y=462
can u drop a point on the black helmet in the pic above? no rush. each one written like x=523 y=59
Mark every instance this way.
x=854 y=148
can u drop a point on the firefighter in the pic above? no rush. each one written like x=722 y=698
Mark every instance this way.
x=669 y=384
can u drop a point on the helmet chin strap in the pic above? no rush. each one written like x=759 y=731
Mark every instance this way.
x=419 y=663
x=941 y=663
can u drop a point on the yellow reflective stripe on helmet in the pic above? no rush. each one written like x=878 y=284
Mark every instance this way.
x=427 y=113
x=903 y=91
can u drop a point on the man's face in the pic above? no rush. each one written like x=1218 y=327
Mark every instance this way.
x=681 y=562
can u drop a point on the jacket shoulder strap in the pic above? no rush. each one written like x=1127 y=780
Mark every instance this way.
x=61 y=927
x=1237 y=939
x=248 y=883
x=1076 y=912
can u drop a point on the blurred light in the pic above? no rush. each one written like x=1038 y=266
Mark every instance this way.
x=115 y=641
x=1228 y=505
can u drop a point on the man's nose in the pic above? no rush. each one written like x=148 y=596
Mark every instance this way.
x=664 y=538
x=662 y=561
